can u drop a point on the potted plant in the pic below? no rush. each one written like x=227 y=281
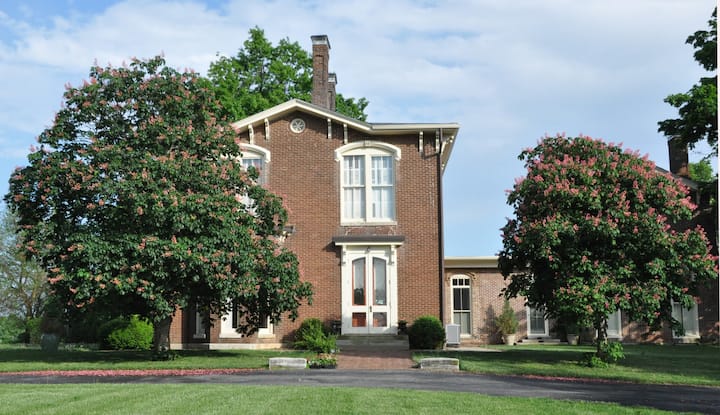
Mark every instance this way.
x=507 y=323
x=571 y=331
x=402 y=327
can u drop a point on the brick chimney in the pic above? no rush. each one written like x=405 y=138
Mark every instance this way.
x=678 y=154
x=323 y=91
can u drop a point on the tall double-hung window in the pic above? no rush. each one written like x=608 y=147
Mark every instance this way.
x=368 y=182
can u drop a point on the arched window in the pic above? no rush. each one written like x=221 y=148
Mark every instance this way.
x=257 y=157
x=367 y=181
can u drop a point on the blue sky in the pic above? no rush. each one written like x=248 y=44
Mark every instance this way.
x=508 y=71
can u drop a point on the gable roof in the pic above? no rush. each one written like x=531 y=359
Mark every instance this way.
x=446 y=132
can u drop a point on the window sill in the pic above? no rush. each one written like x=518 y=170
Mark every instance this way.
x=367 y=223
x=230 y=336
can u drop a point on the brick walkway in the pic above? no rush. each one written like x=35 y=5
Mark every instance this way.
x=374 y=359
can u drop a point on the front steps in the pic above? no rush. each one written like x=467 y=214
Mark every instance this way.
x=540 y=340
x=372 y=342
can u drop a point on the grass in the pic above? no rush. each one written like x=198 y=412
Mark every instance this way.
x=20 y=359
x=226 y=399
x=686 y=364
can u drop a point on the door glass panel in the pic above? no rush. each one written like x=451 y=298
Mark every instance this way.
x=537 y=321
x=463 y=320
x=359 y=320
x=359 y=282
x=380 y=281
x=380 y=319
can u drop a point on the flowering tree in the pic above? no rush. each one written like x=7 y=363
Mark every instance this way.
x=135 y=202
x=593 y=233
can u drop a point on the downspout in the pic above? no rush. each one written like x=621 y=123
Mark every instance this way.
x=441 y=241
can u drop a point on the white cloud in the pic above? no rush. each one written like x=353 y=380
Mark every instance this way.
x=508 y=71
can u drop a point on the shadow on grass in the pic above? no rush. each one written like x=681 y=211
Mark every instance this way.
x=32 y=356
x=643 y=363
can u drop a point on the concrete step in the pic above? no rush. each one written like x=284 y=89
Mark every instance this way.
x=373 y=342
x=540 y=340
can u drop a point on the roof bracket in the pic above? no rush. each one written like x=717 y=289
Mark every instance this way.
x=267 y=129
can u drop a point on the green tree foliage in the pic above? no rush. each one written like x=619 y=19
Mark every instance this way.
x=698 y=107
x=702 y=172
x=593 y=234
x=23 y=282
x=134 y=203
x=261 y=76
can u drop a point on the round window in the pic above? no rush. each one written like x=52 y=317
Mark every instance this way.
x=297 y=125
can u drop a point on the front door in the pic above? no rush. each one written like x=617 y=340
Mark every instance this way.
x=369 y=291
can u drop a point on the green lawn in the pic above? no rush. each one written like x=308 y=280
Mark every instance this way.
x=699 y=365
x=681 y=364
x=19 y=359
x=233 y=399
x=692 y=365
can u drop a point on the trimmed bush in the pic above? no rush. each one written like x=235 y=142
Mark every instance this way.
x=427 y=332
x=313 y=336
x=126 y=334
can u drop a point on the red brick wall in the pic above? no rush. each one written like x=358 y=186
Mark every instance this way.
x=304 y=172
x=486 y=285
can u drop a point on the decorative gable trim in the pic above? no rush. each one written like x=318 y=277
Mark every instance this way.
x=445 y=132
x=368 y=144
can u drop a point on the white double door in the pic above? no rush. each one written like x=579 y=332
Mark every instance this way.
x=369 y=290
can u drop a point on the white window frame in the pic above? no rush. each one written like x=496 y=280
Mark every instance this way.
x=253 y=152
x=466 y=286
x=616 y=318
x=546 y=332
x=227 y=331
x=368 y=150
x=692 y=313
x=200 y=329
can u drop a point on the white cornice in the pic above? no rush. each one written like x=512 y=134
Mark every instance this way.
x=471 y=262
x=448 y=130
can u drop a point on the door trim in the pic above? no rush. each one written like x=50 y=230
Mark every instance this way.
x=351 y=252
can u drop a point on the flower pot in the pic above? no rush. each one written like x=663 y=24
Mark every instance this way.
x=572 y=339
x=509 y=339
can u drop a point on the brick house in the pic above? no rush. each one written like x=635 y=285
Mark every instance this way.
x=473 y=286
x=365 y=221
x=365 y=214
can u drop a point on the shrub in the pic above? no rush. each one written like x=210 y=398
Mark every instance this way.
x=427 y=332
x=610 y=352
x=11 y=329
x=313 y=336
x=507 y=322
x=126 y=334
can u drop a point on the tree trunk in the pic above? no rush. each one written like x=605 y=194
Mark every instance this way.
x=601 y=327
x=161 y=334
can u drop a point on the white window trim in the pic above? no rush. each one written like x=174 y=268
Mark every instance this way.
x=200 y=329
x=687 y=335
x=257 y=150
x=452 y=301
x=529 y=333
x=368 y=149
x=228 y=332
x=617 y=316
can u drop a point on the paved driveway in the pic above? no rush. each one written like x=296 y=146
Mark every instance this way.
x=672 y=398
